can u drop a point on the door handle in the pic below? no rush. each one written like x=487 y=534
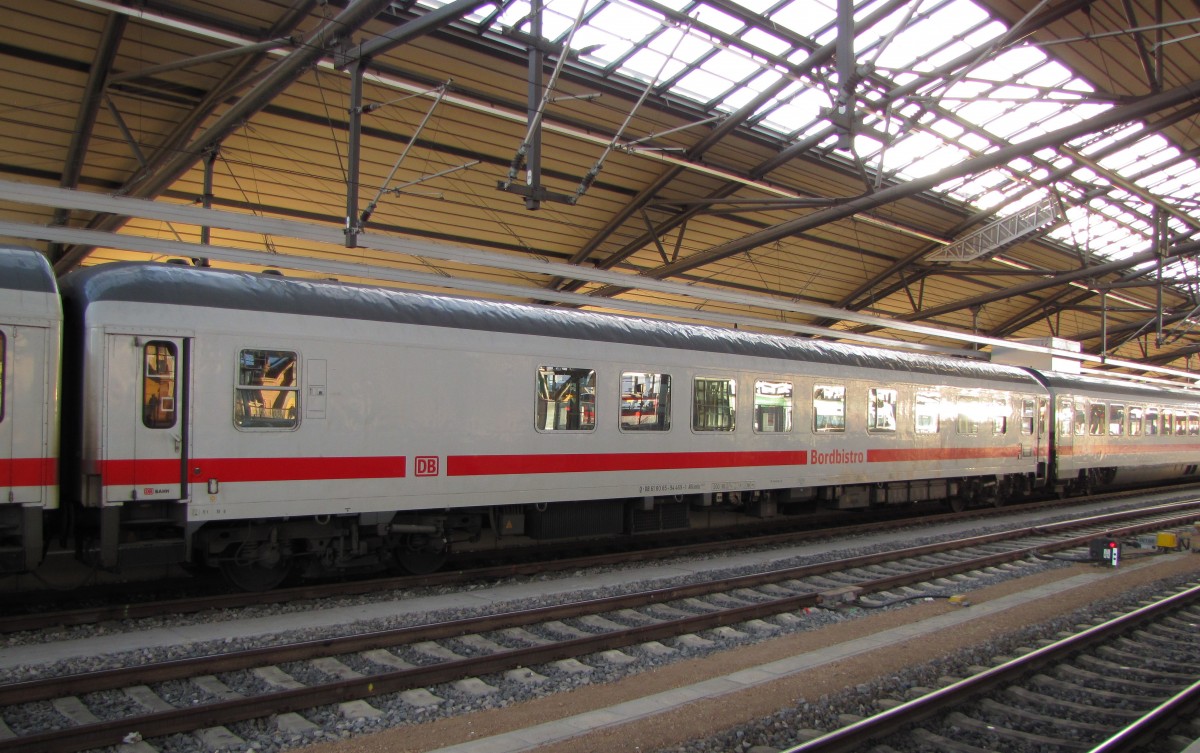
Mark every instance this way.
x=178 y=441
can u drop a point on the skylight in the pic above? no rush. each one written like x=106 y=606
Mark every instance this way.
x=719 y=59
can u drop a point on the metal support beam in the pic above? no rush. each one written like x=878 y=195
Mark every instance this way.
x=328 y=38
x=354 y=151
x=533 y=157
x=818 y=57
x=89 y=107
x=241 y=72
x=212 y=57
x=843 y=115
x=1115 y=116
x=206 y=200
x=1058 y=279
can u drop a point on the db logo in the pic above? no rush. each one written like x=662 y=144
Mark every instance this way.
x=427 y=466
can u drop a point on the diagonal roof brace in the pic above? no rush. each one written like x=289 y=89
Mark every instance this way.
x=328 y=38
x=1116 y=115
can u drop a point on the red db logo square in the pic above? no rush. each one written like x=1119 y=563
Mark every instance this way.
x=427 y=466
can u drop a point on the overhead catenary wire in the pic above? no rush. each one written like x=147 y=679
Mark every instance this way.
x=366 y=213
x=599 y=165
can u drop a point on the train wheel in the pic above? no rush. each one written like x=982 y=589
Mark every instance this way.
x=422 y=554
x=1001 y=492
x=257 y=567
x=968 y=494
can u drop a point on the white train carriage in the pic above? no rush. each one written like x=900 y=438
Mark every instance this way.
x=30 y=347
x=256 y=423
x=1117 y=433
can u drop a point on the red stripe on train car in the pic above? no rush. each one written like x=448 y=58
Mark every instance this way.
x=299 y=469
x=1127 y=449
x=235 y=470
x=500 y=465
x=28 y=471
x=139 y=472
x=942 y=453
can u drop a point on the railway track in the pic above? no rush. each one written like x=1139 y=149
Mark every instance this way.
x=19 y=620
x=351 y=672
x=1115 y=687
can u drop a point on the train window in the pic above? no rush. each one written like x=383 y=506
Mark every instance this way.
x=772 y=406
x=829 y=408
x=971 y=412
x=927 y=412
x=158 y=385
x=1029 y=410
x=1193 y=425
x=267 y=390
x=1080 y=418
x=1116 y=420
x=1168 y=421
x=1151 y=420
x=645 y=401
x=566 y=399
x=881 y=409
x=1136 y=413
x=1180 y=424
x=3 y=351
x=1096 y=419
x=714 y=403
x=1065 y=410
x=999 y=417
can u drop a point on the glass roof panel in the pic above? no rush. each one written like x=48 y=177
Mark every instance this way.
x=719 y=20
x=622 y=23
x=648 y=65
x=802 y=111
x=766 y=41
x=805 y=17
x=721 y=63
x=611 y=48
x=558 y=16
x=756 y=6
x=681 y=45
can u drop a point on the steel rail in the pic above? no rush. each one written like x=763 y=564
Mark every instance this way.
x=51 y=687
x=1149 y=726
x=855 y=736
x=181 y=720
x=719 y=540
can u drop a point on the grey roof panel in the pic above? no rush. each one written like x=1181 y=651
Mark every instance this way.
x=1060 y=383
x=189 y=286
x=25 y=269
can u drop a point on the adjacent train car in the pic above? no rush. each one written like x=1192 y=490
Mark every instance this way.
x=30 y=348
x=266 y=426
x=1121 y=433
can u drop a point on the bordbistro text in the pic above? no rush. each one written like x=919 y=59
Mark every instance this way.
x=835 y=457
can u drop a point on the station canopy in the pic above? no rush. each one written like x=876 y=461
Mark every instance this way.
x=937 y=175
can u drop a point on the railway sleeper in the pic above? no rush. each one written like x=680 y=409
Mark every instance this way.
x=1041 y=700
x=1157 y=691
x=1008 y=714
x=1107 y=698
x=992 y=732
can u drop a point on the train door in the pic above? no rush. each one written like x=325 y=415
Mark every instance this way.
x=6 y=421
x=1041 y=438
x=1064 y=433
x=25 y=466
x=146 y=423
